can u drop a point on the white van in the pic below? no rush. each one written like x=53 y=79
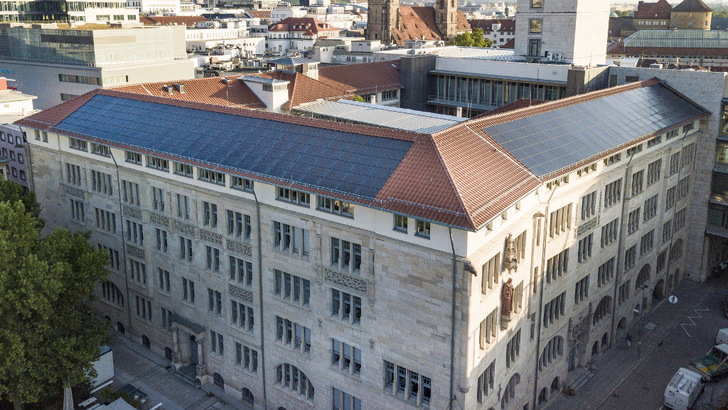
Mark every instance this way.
x=683 y=389
x=722 y=336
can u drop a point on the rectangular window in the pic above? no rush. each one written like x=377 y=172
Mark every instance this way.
x=581 y=290
x=292 y=288
x=291 y=239
x=211 y=176
x=623 y=293
x=133 y=157
x=633 y=221
x=588 y=205
x=294 y=197
x=630 y=258
x=650 y=208
x=345 y=306
x=688 y=153
x=490 y=273
x=181 y=169
x=585 y=248
x=293 y=335
x=637 y=179
x=670 y=198
x=78 y=213
x=489 y=329
x=408 y=386
x=560 y=221
x=158 y=199
x=75 y=143
x=163 y=280
x=101 y=183
x=212 y=258
x=605 y=272
x=183 y=206
x=400 y=223
x=553 y=310
x=486 y=382
x=102 y=150
x=674 y=163
x=634 y=150
x=241 y=271
x=422 y=228
x=513 y=349
x=346 y=255
x=646 y=242
x=345 y=357
x=166 y=319
x=143 y=309
x=557 y=266
x=238 y=225
x=683 y=187
x=242 y=184
x=138 y=272
x=105 y=220
x=610 y=232
x=188 y=291
x=131 y=192
x=653 y=172
x=113 y=256
x=157 y=163
x=214 y=302
x=73 y=174
x=216 y=343
x=344 y=401
x=242 y=316
x=209 y=214
x=667 y=231
x=185 y=249
x=680 y=219
x=334 y=206
x=135 y=233
x=246 y=357
x=161 y=236
x=661 y=261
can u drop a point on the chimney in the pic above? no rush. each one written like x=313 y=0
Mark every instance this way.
x=373 y=98
x=459 y=111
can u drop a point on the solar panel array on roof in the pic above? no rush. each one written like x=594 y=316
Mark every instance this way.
x=554 y=140
x=340 y=161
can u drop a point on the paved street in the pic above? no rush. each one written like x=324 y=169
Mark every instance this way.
x=671 y=336
x=133 y=364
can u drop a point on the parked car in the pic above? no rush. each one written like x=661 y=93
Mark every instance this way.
x=683 y=389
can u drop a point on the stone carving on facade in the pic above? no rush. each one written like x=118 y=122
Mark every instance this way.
x=158 y=219
x=73 y=191
x=135 y=252
x=184 y=228
x=211 y=237
x=240 y=293
x=347 y=281
x=239 y=247
x=510 y=257
x=132 y=212
x=587 y=226
x=506 y=303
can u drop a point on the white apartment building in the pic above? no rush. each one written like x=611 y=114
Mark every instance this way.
x=155 y=6
x=301 y=263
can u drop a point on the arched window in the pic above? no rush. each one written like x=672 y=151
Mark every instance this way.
x=145 y=342
x=676 y=250
x=218 y=380
x=289 y=376
x=642 y=278
x=602 y=310
x=248 y=396
x=555 y=385
x=111 y=293
x=542 y=396
x=168 y=353
x=553 y=350
x=510 y=390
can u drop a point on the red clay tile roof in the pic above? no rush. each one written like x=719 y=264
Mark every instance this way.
x=362 y=78
x=419 y=23
x=188 y=21
x=487 y=24
x=307 y=25
x=690 y=6
x=511 y=43
x=660 y=10
x=303 y=89
x=261 y=14
x=210 y=90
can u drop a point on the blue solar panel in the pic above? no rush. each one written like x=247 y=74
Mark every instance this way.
x=551 y=141
x=334 y=160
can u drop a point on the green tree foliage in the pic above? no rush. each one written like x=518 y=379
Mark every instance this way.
x=11 y=191
x=623 y=13
x=476 y=39
x=48 y=338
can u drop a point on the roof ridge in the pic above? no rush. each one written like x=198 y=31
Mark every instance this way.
x=558 y=104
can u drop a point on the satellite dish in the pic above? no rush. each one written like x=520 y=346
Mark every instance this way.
x=672 y=299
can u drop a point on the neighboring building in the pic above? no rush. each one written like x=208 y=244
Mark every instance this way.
x=155 y=6
x=620 y=27
x=391 y=23
x=499 y=31
x=304 y=263
x=684 y=48
x=14 y=106
x=285 y=11
x=346 y=50
x=652 y=16
x=569 y=31
x=298 y=35
x=60 y=64
x=189 y=21
x=691 y=15
x=63 y=11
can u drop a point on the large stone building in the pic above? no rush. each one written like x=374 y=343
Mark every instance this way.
x=303 y=263
x=392 y=23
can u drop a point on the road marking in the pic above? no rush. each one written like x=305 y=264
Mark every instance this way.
x=692 y=322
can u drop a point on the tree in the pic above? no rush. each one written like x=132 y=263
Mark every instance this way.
x=479 y=39
x=12 y=191
x=476 y=39
x=462 y=40
x=48 y=338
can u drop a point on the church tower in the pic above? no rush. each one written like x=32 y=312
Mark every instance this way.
x=446 y=17
x=382 y=20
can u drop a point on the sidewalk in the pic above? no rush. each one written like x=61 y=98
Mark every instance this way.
x=618 y=363
x=133 y=364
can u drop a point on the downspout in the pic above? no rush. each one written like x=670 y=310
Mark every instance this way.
x=28 y=165
x=620 y=246
x=123 y=246
x=452 y=319
x=260 y=297
x=540 y=298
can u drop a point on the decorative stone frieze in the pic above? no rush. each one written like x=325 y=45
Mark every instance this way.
x=135 y=252
x=587 y=226
x=240 y=248
x=184 y=228
x=158 y=219
x=211 y=237
x=240 y=293
x=132 y=212
x=347 y=281
x=73 y=191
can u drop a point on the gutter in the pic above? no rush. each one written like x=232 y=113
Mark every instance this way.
x=123 y=245
x=260 y=297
